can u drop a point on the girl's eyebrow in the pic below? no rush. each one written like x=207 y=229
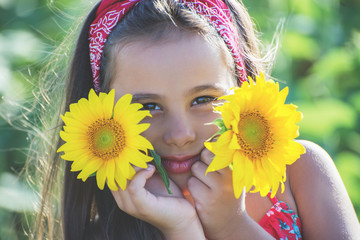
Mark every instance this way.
x=207 y=87
x=141 y=96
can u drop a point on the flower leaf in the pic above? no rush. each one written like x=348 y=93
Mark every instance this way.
x=222 y=128
x=218 y=122
x=161 y=170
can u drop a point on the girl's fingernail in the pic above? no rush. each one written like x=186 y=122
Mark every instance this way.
x=150 y=167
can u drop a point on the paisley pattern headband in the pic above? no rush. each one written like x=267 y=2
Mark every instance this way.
x=110 y=12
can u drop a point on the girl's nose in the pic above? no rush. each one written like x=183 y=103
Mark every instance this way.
x=179 y=131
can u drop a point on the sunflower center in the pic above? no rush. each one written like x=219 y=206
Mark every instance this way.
x=106 y=138
x=254 y=137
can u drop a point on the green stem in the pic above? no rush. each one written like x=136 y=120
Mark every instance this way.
x=161 y=170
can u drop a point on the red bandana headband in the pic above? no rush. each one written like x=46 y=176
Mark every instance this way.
x=110 y=12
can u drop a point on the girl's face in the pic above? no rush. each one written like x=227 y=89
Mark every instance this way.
x=178 y=80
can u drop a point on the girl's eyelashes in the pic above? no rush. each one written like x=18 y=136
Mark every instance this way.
x=203 y=100
x=150 y=106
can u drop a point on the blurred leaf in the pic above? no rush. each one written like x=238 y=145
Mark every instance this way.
x=14 y=196
x=7 y=229
x=355 y=100
x=353 y=142
x=308 y=8
x=6 y=3
x=325 y=116
x=356 y=40
x=26 y=8
x=334 y=63
x=5 y=75
x=303 y=24
x=300 y=46
x=20 y=45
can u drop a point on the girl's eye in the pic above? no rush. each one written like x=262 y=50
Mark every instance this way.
x=150 y=106
x=203 y=100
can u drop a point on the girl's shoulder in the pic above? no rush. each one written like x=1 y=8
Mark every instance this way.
x=312 y=171
x=313 y=151
x=314 y=159
x=320 y=195
x=313 y=167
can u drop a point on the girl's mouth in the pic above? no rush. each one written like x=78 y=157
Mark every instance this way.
x=179 y=164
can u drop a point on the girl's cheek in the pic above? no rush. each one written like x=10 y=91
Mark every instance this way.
x=154 y=131
x=207 y=117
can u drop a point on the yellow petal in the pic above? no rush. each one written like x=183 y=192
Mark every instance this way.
x=131 y=172
x=141 y=128
x=219 y=163
x=120 y=179
x=100 y=177
x=110 y=174
x=248 y=169
x=81 y=162
x=137 y=159
x=122 y=163
x=121 y=105
x=141 y=141
x=237 y=175
x=91 y=167
x=61 y=148
x=234 y=144
x=108 y=104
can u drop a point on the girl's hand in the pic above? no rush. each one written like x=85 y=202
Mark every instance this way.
x=171 y=214
x=219 y=211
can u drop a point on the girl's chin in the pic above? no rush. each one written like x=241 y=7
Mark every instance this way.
x=180 y=179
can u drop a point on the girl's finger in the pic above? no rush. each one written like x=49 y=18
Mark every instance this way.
x=206 y=156
x=124 y=198
x=198 y=170
x=198 y=192
x=136 y=187
x=140 y=178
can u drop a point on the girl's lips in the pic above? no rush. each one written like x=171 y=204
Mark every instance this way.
x=179 y=164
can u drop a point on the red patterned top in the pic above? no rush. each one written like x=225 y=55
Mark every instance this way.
x=281 y=221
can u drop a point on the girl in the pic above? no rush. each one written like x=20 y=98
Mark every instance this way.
x=176 y=58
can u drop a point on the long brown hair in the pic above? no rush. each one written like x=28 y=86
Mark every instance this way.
x=90 y=213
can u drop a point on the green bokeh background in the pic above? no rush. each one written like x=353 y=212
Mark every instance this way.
x=318 y=58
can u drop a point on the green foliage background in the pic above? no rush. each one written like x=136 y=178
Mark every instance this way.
x=318 y=58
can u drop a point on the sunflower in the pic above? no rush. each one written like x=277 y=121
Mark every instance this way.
x=257 y=136
x=105 y=139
